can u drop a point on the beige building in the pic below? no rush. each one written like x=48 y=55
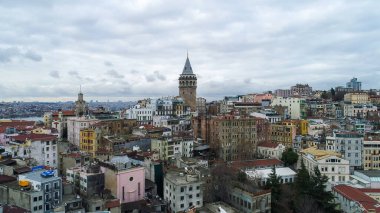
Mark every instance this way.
x=236 y=137
x=329 y=163
x=356 y=98
x=283 y=134
x=270 y=150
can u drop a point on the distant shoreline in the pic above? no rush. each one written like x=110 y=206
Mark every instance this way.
x=33 y=118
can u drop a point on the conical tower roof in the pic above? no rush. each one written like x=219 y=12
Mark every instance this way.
x=187 y=70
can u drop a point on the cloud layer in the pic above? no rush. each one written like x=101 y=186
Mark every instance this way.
x=137 y=48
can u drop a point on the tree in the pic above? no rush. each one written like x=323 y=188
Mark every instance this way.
x=289 y=157
x=324 y=95
x=274 y=184
x=302 y=182
x=242 y=177
x=332 y=91
x=325 y=199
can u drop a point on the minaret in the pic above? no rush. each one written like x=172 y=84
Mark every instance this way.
x=188 y=85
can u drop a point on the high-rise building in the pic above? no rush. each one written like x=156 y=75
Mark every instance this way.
x=188 y=86
x=354 y=84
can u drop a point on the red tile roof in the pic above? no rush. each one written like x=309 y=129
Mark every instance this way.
x=268 y=144
x=112 y=203
x=65 y=113
x=368 y=190
x=354 y=194
x=2 y=129
x=14 y=123
x=34 y=137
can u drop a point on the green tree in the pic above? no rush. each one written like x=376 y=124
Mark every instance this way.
x=289 y=157
x=324 y=95
x=324 y=198
x=303 y=182
x=332 y=91
x=274 y=184
x=242 y=177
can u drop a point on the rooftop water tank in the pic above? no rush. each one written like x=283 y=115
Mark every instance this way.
x=49 y=173
x=23 y=183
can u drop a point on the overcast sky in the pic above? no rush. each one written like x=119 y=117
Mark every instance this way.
x=129 y=49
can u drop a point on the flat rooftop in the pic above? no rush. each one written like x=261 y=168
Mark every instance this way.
x=370 y=173
x=179 y=177
x=264 y=173
x=217 y=206
x=36 y=176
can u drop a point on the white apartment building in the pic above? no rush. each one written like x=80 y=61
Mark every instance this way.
x=183 y=190
x=270 y=150
x=268 y=114
x=42 y=148
x=355 y=110
x=328 y=162
x=349 y=144
x=169 y=148
x=74 y=125
x=286 y=175
x=143 y=115
x=293 y=104
x=175 y=124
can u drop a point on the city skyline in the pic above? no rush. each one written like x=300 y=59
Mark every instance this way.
x=48 y=49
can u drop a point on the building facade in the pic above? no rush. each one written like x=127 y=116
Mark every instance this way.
x=371 y=154
x=301 y=90
x=296 y=106
x=182 y=190
x=51 y=186
x=354 y=84
x=125 y=180
x=350 y=145
x=329 y=163
x=356 y=98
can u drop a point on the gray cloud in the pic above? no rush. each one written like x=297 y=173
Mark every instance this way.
x=54 y=74
x=7 y=54
x=108 y=64
x=114 y=74
x=32 y=55
x=156 y=75
x=237 y=47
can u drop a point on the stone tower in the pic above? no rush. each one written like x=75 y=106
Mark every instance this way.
x=80 y=105
x=188 y=85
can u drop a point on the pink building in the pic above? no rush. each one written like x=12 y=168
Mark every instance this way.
x=125 y=181
x=260 y=97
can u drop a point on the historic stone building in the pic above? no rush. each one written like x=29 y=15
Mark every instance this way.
x=188 y=86
x=80 y=105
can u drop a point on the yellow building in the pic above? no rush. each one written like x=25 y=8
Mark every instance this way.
x=356 y=98
x=88 y=141
x=302 y=126
x=371 y=154
x=283 y=134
